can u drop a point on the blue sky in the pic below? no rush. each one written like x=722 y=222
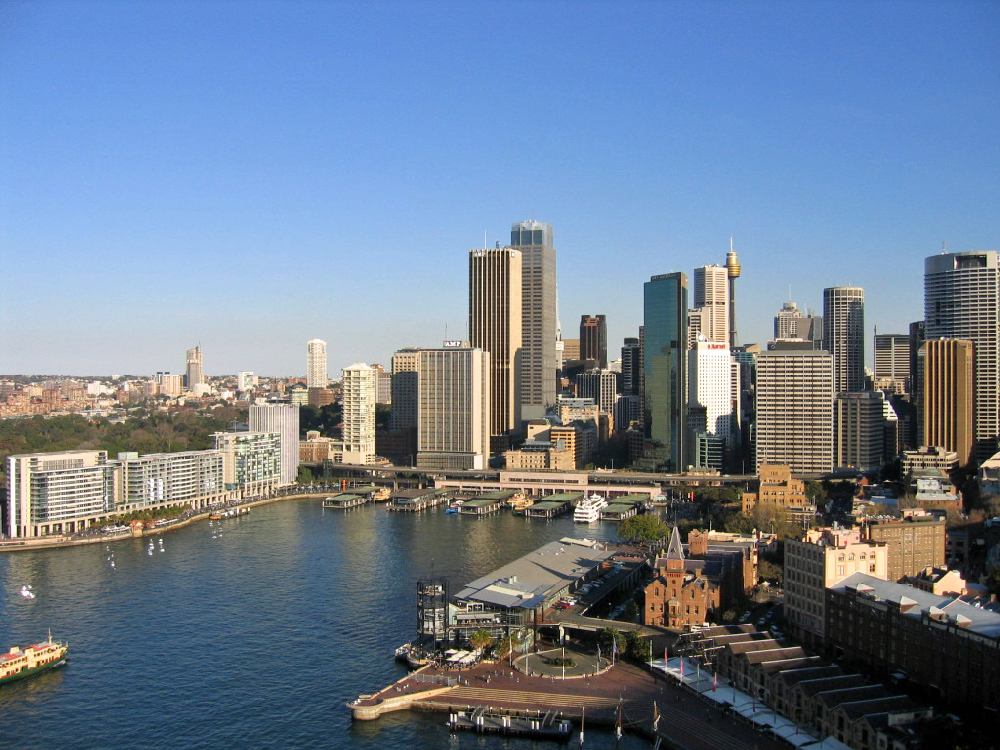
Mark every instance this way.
x=252 y=175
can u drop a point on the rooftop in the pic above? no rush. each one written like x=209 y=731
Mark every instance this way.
x=528 y=581
x=914 y=603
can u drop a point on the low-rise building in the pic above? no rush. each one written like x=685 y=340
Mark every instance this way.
x=929 y=458
x=776 y=489
x=939 y=643
x=316 y=449
x=541 y=454
x=821 y=559
x=914 y=544
x=938 y=581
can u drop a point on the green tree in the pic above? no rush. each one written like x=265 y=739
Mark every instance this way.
x=481 y=639
x=643 y=528
x=769 y=571
x=607 y=637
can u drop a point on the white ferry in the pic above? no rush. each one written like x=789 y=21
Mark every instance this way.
x=589 y=509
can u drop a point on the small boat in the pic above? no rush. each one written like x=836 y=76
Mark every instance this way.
x=27 y=593
x=21 y=662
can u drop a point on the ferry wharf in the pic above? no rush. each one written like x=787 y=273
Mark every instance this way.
x=687 y=721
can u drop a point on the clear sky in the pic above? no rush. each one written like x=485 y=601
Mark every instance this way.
x=253 y=175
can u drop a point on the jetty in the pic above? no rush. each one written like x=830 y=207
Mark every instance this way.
x=554 y=505
x=416 y=500
x=623 y=507
x=511 y=723
x=485 y=505
x=344 y=501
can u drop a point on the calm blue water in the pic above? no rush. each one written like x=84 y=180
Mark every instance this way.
x=254 y=639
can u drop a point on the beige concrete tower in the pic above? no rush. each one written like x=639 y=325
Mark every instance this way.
x=948 y=396
x=495 y=320
x=316 y=372
x=538 y=310
x=711 y=296
x=453 y=408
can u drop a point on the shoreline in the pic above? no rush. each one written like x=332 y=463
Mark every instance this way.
x=46 y=543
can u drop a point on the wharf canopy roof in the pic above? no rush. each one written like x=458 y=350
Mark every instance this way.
x=528 y=581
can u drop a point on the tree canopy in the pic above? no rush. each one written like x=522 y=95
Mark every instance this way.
x=643 y=528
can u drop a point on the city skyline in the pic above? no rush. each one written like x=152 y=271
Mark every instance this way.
x=151 y=180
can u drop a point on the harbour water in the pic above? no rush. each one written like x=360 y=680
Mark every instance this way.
x=255 y=638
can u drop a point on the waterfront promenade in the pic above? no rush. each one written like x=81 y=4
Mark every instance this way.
x=687 y=721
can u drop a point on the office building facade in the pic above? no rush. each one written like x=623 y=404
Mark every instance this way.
x=495 y=326
x=711 y=301
x=538 y=309
x=594 y=339
x=892 y=361
x=665 y=367
x=710 y=375
x=859 y=431
x=844 y=335
x=947 y=390
x=962 y=301
x=453 y=408
x=793 y=399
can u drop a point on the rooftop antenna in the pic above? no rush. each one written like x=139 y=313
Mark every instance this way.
x=730 y=243
x=485 y=243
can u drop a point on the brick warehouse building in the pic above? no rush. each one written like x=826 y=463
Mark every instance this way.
x=939 y=642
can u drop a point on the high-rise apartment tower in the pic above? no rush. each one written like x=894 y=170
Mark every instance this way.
x=316 y=373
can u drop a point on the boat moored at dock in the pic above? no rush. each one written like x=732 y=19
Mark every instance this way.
x=589 y=509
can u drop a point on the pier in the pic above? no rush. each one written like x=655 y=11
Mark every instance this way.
x=413 y=501
x=623 y=507
x=485 y=505
x=511 y=723
x=554 y=505
x=345 y=501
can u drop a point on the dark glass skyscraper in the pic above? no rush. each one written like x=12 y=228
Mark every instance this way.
x=665 y=305
x=594 y=339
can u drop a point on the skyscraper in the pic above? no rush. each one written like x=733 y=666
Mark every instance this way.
x=316 y=373
x=600 y=385
x=710 y=375
x=711 y=297
x=665 y=367
x=282 y=419
x=594 y=339
x=631 y=366
x=359 y=391
x=453 y=412
x=948 y=396
x=405 y=363
x=195 y=372
x=962 y=301
x=538 y=309
x=859 y=430
x=892 y=360
x=495 y=320
x=794 y=409
x=844 y=335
